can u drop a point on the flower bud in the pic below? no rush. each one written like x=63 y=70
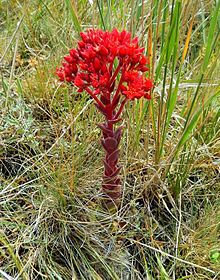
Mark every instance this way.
x=143 y=60
x=79 y=82
x=84 y=37
x=67 y=70
x=69 y=59
x=81 y=45
x=96 y=64
x=103 y=51
x=123 y=51
x=73 y=53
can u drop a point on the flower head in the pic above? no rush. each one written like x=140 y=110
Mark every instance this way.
x=107 y=61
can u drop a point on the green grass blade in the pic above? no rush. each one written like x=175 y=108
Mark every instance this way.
x=168 y=46
x=208 y=52
x=171 y=50
x=211 y=32
x=101 y=14
x=165 y=12
x=73 y=15
x=163 y=273
x=188 y=130
x=15 y=258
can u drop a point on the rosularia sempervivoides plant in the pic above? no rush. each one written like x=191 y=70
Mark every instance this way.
x=110 y=67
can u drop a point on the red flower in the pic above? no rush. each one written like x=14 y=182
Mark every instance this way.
x=111 y=67
x=137 y=86
x=97 y=54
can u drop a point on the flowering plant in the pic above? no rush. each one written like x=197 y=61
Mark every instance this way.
x=110 y=67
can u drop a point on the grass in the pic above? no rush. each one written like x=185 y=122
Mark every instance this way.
x=51 y=222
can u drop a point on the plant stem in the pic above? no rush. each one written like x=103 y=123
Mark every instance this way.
x=111 y=185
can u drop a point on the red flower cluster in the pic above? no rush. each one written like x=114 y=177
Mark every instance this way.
x=109 y=66
x=98 y=60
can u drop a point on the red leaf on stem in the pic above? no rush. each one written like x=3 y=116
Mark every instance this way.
x=110 y=144
x=113 y=156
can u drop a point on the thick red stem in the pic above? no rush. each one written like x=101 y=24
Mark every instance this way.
x=111 y=183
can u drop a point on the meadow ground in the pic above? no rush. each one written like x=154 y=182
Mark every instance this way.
x=51 y=223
